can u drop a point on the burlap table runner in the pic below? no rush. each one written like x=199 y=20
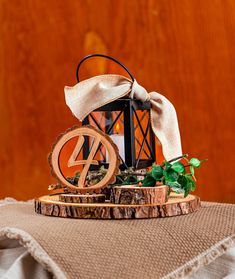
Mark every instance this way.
x=152 y=248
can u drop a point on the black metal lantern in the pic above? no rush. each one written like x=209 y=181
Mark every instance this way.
x=127 y=122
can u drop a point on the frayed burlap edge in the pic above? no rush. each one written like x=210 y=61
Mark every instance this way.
x=203 y=259
x=13 y=201
x=36 y=251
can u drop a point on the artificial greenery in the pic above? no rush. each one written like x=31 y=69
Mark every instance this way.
x=173 y=174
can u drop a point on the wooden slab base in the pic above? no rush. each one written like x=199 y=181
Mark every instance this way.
x=176 y=205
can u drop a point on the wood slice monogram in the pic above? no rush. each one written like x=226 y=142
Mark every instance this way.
x=97 y=139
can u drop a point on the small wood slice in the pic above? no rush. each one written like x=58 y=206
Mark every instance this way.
x=176 y=205
x=139 y=195
x=90 y=198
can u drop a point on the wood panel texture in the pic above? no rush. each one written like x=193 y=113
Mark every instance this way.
x=183 y=49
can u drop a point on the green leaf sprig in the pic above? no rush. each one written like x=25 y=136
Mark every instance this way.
x=173 y=174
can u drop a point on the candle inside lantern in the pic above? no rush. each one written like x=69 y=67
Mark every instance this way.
x=118 y=139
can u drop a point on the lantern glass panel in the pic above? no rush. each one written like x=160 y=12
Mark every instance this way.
x=112 y=124
x=127 y=122
x=140 y=144
x=144 y=143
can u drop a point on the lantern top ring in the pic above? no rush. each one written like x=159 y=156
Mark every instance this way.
x=103 y=56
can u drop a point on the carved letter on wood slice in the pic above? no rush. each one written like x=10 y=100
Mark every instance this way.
x=99 y=138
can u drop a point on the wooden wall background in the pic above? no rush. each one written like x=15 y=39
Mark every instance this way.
x=181 y=48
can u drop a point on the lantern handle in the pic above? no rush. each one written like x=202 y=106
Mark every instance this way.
x=103 y=56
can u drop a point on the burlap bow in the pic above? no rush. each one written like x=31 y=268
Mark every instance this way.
x=97 y=91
